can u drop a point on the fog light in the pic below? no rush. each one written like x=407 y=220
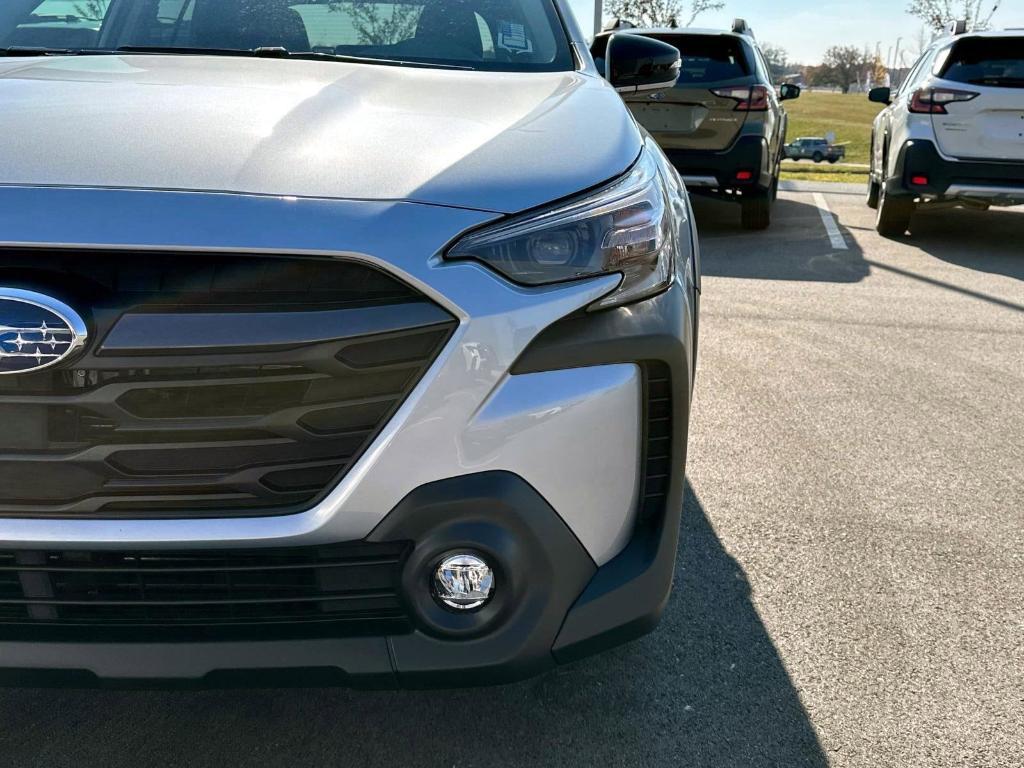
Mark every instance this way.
x=744 y=175
x=463 y=581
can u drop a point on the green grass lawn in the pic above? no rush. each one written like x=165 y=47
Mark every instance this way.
x=849 y=116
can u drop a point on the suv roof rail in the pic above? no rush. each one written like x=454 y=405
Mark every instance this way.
x=616 y=23
x=958 y=27
x=740 y=27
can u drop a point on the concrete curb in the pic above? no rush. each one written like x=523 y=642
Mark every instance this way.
x=835 y=188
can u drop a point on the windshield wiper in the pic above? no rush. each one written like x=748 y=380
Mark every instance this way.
x=349 y=59
x=1017 y=81
x=273 y=52
x=24 y=50
x=183 y=50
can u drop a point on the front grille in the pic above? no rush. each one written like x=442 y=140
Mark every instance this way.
x=657 y=445
x=336 y=590
x=211 y=386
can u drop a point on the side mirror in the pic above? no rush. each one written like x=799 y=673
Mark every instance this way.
x=788 y=91
x=634 y=63
x=880 y=95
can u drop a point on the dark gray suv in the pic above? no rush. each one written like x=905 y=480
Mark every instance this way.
x=723 y=125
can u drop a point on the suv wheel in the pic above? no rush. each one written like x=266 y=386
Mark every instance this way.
x=756 y=211
x=894 y=214
x=874 y=190
x=818 y=157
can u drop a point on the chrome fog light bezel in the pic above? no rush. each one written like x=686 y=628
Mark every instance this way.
x=462 y=581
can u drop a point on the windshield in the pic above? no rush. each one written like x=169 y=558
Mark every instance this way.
x=998 y=62
x=506 y=35
x=708 y=59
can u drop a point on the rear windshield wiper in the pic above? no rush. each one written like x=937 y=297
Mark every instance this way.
x=1011 y=81
x=273 y=52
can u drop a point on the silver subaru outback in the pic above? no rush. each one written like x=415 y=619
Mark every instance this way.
x=344 y=340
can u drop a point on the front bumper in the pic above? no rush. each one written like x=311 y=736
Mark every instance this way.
x=466 y=461
x=991 y=183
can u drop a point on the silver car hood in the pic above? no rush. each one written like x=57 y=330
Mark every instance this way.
x=485 y=140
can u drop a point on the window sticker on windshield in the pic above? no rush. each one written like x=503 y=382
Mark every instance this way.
x=512 y=37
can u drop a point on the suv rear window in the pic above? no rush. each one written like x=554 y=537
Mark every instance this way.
x=709 y=59
x=997 y=62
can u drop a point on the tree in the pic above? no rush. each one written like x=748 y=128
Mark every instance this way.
x=92 y=10
x=843 y=66
x=879 y=72
x=661 y=13
x=377 y=26
x=778 y=60
x=938 y=14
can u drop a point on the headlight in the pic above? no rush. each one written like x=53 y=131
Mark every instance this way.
x=623 y=227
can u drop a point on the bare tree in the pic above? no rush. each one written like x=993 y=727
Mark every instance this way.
x=661 y=13
x=697 y=7
x=777 y=59
x=843 y=66
x=938 y=14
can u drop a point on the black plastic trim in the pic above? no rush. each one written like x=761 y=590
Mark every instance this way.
x=209 y=332
x=746 y=153
x=541 y=568
x=923 y=157
x=627 y=596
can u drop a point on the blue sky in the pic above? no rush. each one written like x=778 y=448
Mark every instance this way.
x=806 y=28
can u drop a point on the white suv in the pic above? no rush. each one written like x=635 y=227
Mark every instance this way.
x=953 y=132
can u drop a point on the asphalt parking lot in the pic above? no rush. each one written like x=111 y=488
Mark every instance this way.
x=851 y=570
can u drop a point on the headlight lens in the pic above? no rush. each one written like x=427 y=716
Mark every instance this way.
x=623 y=227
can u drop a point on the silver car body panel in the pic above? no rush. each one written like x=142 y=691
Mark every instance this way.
x=497 y=141
x=455 y=420
x=975 y=139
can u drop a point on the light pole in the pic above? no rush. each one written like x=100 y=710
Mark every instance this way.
x=598 y=13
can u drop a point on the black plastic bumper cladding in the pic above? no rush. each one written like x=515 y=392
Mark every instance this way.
x=922 y=158
x=746 y=154
x=541 y=568
x=628 y=595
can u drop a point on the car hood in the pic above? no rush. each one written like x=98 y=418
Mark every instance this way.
x=486 y=140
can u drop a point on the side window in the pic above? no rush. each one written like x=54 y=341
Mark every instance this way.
x=762 y=65
x=912 y=73
x=921 y=70
x=61 y=24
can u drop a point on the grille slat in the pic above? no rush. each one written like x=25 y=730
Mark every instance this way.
x=195 y=431
x=308 y=589
x=657 y=461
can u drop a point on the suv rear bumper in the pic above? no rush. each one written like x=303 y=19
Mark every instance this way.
x=715 y=173
x=993 y=183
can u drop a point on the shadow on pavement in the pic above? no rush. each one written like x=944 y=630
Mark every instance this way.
x=707 y=689
x=795 y=247
x=948 y=235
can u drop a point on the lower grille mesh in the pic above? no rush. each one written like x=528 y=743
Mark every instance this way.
x=657 y=467
x=340 y=588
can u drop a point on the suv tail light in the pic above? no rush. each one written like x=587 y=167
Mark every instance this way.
x=749 y=98
x=933 y=101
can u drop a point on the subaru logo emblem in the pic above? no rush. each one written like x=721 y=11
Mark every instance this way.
x=657 y=96
x=36 y=331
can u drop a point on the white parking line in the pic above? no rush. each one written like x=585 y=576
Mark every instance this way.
x=838 y=241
